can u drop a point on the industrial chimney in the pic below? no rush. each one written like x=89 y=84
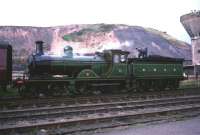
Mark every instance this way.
x=191 y=23
x=39 y=47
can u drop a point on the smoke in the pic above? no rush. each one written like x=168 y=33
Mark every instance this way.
x=109 y=45
x=58 y=44
x=115 y=45
x=89 y=46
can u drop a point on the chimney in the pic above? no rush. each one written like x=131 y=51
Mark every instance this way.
x=39 y=47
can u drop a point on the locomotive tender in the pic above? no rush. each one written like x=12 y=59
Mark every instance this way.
x=110 y=70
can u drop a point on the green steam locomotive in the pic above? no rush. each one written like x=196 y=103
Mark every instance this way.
x=108 y=71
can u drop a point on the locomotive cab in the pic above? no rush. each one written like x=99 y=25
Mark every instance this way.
x=117 y=56
x=119 y=63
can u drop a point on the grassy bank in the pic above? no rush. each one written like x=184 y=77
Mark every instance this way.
x=9 y=92
x=190 y=84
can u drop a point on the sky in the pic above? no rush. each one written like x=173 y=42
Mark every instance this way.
x=162 y=15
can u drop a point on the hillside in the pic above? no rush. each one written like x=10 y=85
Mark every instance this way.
x=91 y=38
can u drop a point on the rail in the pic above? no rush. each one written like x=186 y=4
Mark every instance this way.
x=91 y=118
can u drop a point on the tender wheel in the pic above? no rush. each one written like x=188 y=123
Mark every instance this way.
x=27 y=91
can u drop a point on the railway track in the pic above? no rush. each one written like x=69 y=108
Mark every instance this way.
x=73 y=118
x=73 y=110
x=10 y=103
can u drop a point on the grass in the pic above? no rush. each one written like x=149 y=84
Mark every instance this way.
x=78 y=36
x=9 y=92
x=186 y=84
x=190 y=84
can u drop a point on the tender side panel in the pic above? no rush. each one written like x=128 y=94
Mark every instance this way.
x=143 y=70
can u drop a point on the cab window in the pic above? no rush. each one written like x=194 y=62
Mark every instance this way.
x=123 y=58
x=116 y=59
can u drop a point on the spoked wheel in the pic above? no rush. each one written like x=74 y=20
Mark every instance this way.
x=148 y=84
x=151 y=85
x=174 y=85
x=158 y=85
x=28 y=91
x=57 y=90
x=143 y=85
x=170 y=85
x=34 y=91
x=50 y=90
x=80 y=88
x=137 y=86
x=164 y=84
x=54 y=90
x=140 y=86
x=83 y=89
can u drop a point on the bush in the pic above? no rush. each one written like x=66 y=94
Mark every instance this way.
x=190 y=84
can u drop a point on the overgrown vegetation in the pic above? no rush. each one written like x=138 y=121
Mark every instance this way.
x=190 y=84
x=78 y=35
x=9 y=92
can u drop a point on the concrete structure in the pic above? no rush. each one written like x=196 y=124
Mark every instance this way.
x=191 y=23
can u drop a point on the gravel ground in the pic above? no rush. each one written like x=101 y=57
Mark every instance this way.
x=185 y=127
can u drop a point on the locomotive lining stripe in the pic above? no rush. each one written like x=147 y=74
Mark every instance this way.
x=77 y=80
x=157 y=59
x=160 y=76
x=70 y=61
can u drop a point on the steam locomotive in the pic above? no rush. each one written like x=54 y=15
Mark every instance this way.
x=108 y=71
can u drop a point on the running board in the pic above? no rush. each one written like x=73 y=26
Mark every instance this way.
x=105 y=84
